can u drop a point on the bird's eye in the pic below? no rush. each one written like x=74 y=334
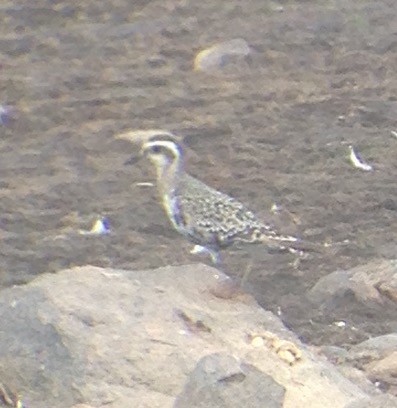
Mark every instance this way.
x=156 y=149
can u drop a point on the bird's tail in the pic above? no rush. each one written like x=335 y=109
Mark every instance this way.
x=297 y=246
x=277 y=242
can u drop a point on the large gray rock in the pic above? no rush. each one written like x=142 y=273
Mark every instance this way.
x=112 y=338
x=34 y=359
x=384 y=372
x=374 y=348
x=373 y=285
x=220 y=381
x=381 y=401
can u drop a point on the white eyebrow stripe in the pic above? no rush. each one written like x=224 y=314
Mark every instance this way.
x=172 y=146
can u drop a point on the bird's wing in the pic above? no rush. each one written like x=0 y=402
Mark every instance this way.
x=221 y=220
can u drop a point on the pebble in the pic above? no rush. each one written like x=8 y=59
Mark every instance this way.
x=6 y=115
x=219 y=55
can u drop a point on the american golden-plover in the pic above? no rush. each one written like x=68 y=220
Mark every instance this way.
x=208 y=218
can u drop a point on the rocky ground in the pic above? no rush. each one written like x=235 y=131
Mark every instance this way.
x=272 y=127
x=160 y=339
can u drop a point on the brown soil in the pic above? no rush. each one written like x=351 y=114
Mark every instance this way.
x=272 y=130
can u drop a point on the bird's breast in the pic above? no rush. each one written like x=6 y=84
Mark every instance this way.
x=173 y=210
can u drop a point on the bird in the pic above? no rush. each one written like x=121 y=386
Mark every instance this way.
x=210 y=219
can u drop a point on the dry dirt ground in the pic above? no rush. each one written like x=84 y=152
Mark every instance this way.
x=274 y=129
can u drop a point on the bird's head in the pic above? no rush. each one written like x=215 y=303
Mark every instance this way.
x=161 y=147
x=163 y=152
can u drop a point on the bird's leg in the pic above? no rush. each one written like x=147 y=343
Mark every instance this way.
x=246 y=273
x=215 y=257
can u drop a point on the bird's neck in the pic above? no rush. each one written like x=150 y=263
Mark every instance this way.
x=168 y=177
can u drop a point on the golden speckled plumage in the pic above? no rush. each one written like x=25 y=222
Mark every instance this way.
x=214 y=219
x=210 y=219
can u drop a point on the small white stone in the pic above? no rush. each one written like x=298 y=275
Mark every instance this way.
x=216 y=56
x=100 y=227
x=359 y=164
x=257 y=341
x=198 y=249
x=145 y=184
x=275 y=208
